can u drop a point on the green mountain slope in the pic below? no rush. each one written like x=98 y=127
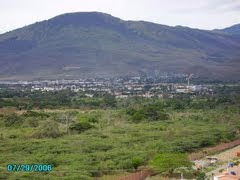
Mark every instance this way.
x=99 y=45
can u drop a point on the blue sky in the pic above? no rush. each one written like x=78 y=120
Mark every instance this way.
x=202 y=14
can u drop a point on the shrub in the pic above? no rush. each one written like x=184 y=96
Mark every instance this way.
x=198 y=104
x=132 y=163
x=35 y=114
x=138 y=116
x=131 y=111
x=109 y=101
x=85 y=122
x=137 y=161
x=91 y=118
x=167 y=162
x=12 y=136
x=31 y=122
x=81 y=127
x=12 y=119
x=201 y=176
x=49 y=129
x=148 y=112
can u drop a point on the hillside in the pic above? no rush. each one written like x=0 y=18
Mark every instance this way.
x=98 y=45
x=233 y=30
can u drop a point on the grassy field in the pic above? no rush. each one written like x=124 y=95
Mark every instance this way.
x=113 y=145
x=90 y=143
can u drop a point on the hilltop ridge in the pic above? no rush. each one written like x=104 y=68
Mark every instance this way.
x=233 y=30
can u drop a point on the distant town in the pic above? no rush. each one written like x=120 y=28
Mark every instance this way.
x=119 y=87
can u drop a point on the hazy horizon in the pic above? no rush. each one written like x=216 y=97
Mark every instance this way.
x=213 y=14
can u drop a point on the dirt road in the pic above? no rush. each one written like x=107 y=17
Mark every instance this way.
x=228 y=154
x=224 y=158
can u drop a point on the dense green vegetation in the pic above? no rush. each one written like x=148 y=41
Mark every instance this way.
x=85 y=141
x=53 y=100
x=168 y=162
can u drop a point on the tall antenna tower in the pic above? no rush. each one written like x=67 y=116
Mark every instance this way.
x=189 y=78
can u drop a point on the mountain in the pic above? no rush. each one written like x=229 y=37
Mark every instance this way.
x=233 y=30
x=92 y=44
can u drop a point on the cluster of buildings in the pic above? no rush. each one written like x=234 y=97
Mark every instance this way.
x=119 y=87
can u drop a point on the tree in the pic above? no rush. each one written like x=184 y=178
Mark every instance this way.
x=109 y=101
x=67 y=119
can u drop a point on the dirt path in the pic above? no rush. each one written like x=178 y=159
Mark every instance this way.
x=213 y=150
x=228 y=154
x=224 y=157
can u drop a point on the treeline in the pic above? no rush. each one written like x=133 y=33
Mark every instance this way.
x=28 y=100
x=53 y=100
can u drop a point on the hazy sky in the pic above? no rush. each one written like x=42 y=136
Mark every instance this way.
x=203 y=14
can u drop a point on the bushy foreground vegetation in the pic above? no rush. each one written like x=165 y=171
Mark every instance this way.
x=115 y=137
